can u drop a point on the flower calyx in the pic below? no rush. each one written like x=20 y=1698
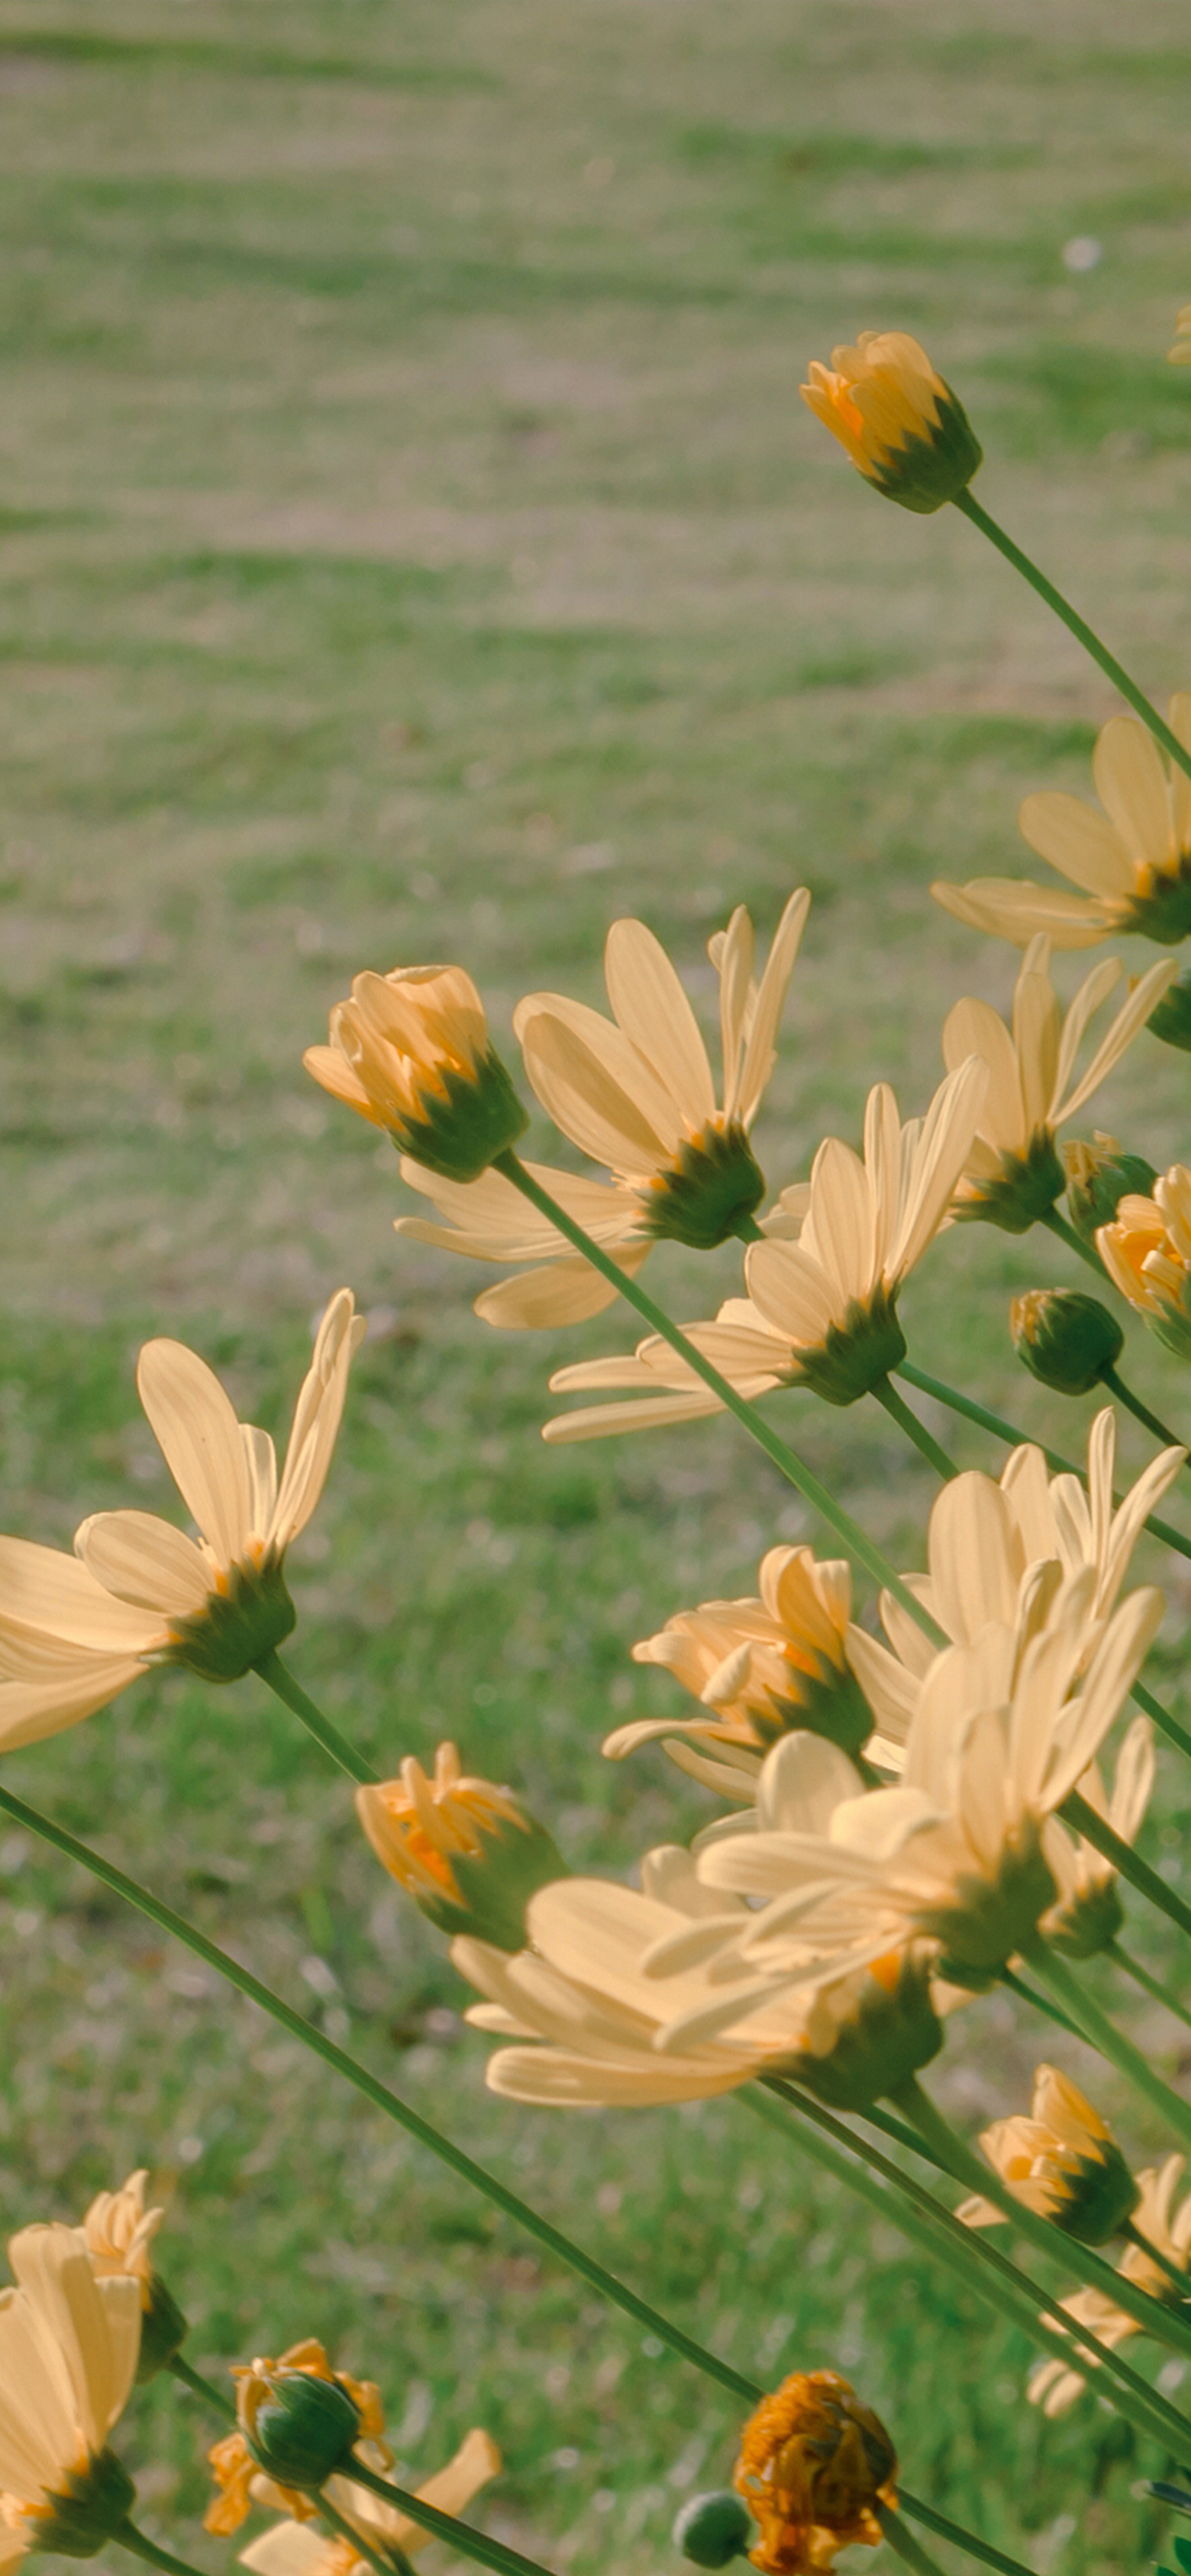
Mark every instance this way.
x=815 y=2467
x=709 y=1191
x=854 y=1356
x=1062 y=2162
x=1020 y=1193
x=246 y=1618
x=85 y=2512
x=891 y=2031
x=1067 y=1340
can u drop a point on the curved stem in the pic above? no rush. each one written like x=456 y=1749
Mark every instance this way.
x=382 y=2560
x=1077 y=626
x=899 y=1412
x=1049 y=2240
x=1002 y=1430
x=446 y=2526
x=988 y=2273
x=1112 y=2042
x=1057 y=1225
x=959 y=2538
x=380 y=2096
x=130 y=2538
x=904 y=2545
x=200 y=2387
x=1141 y=1412
x=1151 y=1985
x=281 y=1680
x=1095 y=1828
x=790 y=1464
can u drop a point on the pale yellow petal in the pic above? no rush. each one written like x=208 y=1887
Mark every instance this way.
x=974 y=1028
x=1079 y=842
x=595 y=1085
x=559 y=1292
x=1014 y=908
x=199 y=1435
x=653 y=1010
x=43 y=1587
x=145 y=1561
x=1131 y=783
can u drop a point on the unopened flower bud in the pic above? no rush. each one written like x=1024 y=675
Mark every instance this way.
x=411 y=1053
x=1099 y=1176
x=903 y=428
x=1170 y=1019
x=1062 y=2162
x=815 y=2466
x=1066 y=1340
x=469 y=1854
x=299 y=2428
x=713 y=2529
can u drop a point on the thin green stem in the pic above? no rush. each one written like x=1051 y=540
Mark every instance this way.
x=959 y=2538
x=1048 y=2240
x=281 y=1680
x=1132 y=1967
x=987 y=2272
x=200 y=2387
x=1077 y=626
x=383 y=2561
x=904 y=2545
x=130 y=2538
x=462 y=2536
x=1141 y=1412
x=1057 y=1225
x=1111 y=2042
x=1095 y=1828
x=899 y=1412
x=378 y=2094
x=1002 y=1430
x=784 y=1458
x=1041 y=2003
x=1154 y=2254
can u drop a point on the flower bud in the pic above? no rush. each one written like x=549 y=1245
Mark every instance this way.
x=1170 y=1020
x=903 y=428
x=411 y=1053
x=1066 y=1340
x=163 y=2328
x=299 y=2428
x=713 y=2529
x=815 y=2466
x=469 y=1854
x=1098 y=1177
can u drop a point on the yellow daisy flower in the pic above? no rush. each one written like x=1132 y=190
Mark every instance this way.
x=68 y=2357
x=903 y=428
x=1147 y=1254
x=410 y=1051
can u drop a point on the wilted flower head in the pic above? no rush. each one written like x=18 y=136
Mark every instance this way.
x=468 y=1853
x=68 y=2356
x=636 y=1092
x=1131 y=862
x=411 y=1053
x=821 y=1312
x=758 y=1668
x=1013 y=1174
x=1147 y=1254
x=815 y=2467
x=296 y=2418
x=294 y=2548
x=903 y=428
x=74 y=1630
x=1062 y=2162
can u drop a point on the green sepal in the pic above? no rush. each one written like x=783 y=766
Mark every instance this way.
x=1066 y=1339
x=304 y=2430
x=496 y=1884
x=995 y=1918
x=1101 y=2195
x=463 y=1120
x=1164 y=915
x=1021 y=1193
x=857 y=1354
x=933 y=466
x=86 y=2511
x=237 y=1628
x=163 y=2330
x=1088 y=1924
x=887 y=2039
x=713 y=2529
x=712 y=1187
x=827 y=1702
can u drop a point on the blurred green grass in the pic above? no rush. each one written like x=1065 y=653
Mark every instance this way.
x=414 y=544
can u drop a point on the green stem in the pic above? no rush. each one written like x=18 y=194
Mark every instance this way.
x=128 y=2537
x=446 y=2526
x=378 y=2094
x=899 y=1412
x=987 y=2272
x=904 y=2545
x=1056 y=1224
x=1077 y=626
x=1141 y=1977
x=200 y=2387
x=383 y=2560
x=1112 y=2042
x=1049 y=2240
x=1141 y=1412
x=1002 y=1430
x=1154 y=2254
x=1041 y=2003
x=1095 y=1828
x=281 y=1680
x=959 y=2538
x=784 y=1458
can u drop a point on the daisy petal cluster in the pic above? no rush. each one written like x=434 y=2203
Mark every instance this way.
x=1147 y=1253
x=902 y=427
x=69 y=2341
x=410 y=1052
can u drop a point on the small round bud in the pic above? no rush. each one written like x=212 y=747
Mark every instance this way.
x=713 y=2529
x=1170 y=1019
x=1066 y=1340
x=1099 y=1176
x=300 y=2428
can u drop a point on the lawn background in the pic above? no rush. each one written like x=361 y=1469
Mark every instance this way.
x=414 y=545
